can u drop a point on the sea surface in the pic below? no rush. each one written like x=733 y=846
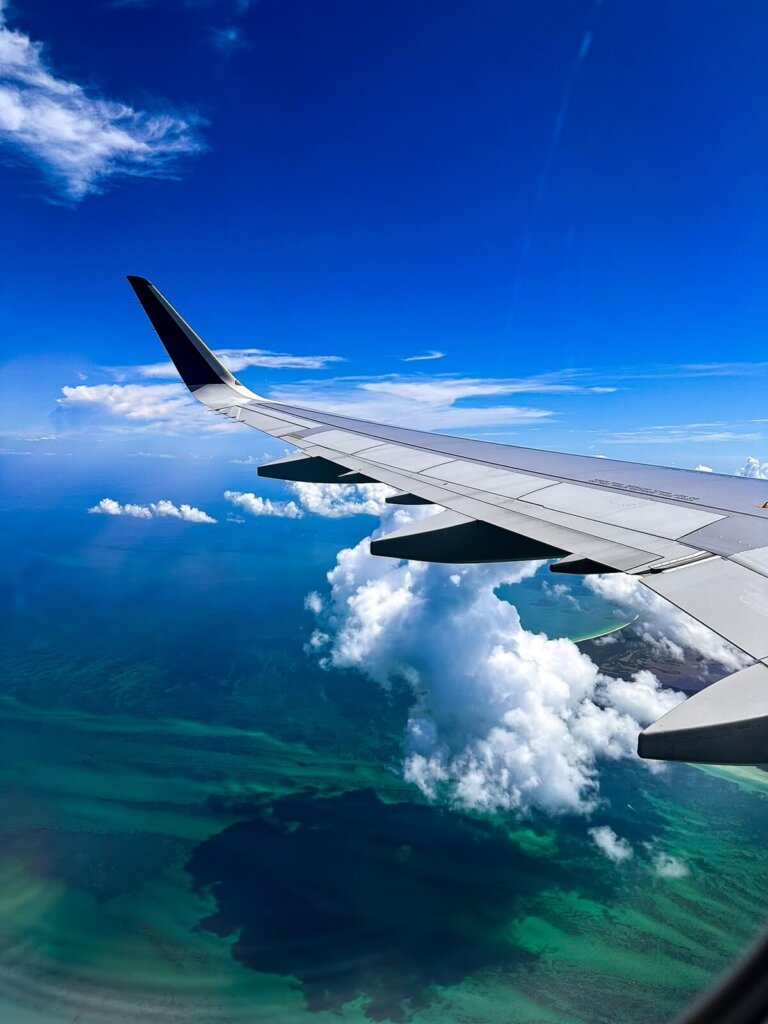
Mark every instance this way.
x=200 y=824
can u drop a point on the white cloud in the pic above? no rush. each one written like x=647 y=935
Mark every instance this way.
x=236 y=359
x=169 y=409
x=426 y=357
x=186 y=512
x=422 y=408
x=704 y=469
x=754 y=468
x=669 y=631
x=614 y=847
x=446 y=390
x=255 y=505
x=681 y=433
x=421 y=402
x=79 y=140
x=110 y=507
x=337 y=501
x=252 y=460
x=150 y=408
x=228 y=39
x=667 y=866
x=150 y=455
x=501 y=717
x=162 y=509
x=438 y=401
x=332 y=501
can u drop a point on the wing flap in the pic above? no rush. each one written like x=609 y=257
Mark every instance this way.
x=624 y=509
x=454 y=538
x=730 y=599
x=698 y=540
x=726 y=723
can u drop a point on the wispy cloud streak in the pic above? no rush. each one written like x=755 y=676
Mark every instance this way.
x=77 y=139
x=426 y=357
x=237 y=359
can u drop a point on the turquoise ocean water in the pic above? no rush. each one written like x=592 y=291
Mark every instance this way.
x=199 y=824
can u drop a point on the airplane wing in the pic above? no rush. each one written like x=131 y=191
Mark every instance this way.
x=700 y=540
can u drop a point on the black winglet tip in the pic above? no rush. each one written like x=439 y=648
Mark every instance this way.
x=135 y=281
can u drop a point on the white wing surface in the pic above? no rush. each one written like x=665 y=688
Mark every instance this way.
x=700 y=540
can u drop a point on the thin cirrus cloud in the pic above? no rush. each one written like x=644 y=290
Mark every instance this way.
x=426 y=357
x=169 y=409
x=441 y=389
x=162 y=509
x=228 y=39
x=237 y=359
x=681 y=433
x=439 y=402
x=77 y=139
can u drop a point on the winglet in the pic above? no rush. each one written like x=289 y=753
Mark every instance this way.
x=197 y=365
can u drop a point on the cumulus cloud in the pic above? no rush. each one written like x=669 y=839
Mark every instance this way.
x=149 y=408
x=332 y=501
x=255 y=505
x=704 y=469
x=110 y=507
x=667 y=866
x=614 y=847
x=337 y=501
x=78 y=139
x=754 y=468
x=669 y=631
x=236 y=359
x=501 y=717
x=162 y=509
x=314 y=603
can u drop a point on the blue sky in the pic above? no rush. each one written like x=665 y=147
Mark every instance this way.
x=564 y=201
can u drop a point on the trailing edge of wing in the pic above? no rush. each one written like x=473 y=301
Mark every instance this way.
x=698 y=540
x=726 y=723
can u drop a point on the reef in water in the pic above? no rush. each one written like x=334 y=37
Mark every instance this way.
x=357 y=898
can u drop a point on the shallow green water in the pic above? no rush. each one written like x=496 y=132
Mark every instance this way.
x=200 y=825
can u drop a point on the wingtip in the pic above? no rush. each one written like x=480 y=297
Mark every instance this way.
x=196 y=364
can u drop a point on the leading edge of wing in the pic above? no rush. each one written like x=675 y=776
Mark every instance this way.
x=726 y=723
